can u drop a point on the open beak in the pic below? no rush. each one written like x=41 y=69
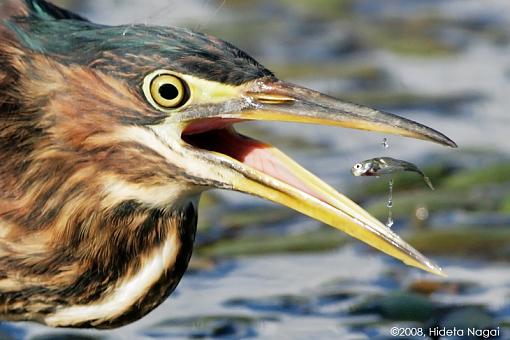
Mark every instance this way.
x=246 y=165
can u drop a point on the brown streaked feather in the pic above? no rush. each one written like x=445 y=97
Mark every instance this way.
x=92 y=283
x=65 y=240
x=11 y=8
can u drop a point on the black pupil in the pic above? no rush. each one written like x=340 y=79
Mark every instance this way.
x=169 y=91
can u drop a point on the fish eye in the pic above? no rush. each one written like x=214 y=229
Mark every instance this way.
x=166 y=91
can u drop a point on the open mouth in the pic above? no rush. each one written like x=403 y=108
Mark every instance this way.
x=222 y=138
x=262 y=170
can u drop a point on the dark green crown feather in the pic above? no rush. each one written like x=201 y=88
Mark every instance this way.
x=132 y=49
x=48 y=11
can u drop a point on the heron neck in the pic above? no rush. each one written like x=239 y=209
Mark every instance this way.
x=110 y=279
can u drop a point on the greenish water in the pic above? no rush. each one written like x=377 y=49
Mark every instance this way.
x=263 y=271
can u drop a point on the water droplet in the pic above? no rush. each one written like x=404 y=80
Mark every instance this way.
x=422 y=213
x=385 y=143
x=390 y=221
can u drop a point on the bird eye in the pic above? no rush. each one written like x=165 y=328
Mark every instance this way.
x=166 y=91
x=357 y=166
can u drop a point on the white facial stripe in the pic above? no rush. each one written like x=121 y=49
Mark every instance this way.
x=194 y=166
x=149 y=138
x=126 y=293
x=166 y=141
x=118 y=191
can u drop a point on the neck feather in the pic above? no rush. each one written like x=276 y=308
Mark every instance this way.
x=109 y=280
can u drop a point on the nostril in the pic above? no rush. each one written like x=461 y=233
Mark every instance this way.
x=271 y=99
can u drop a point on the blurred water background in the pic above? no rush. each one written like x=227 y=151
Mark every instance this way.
x=262 y=271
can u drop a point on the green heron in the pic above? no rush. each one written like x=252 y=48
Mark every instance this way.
x=108 y=136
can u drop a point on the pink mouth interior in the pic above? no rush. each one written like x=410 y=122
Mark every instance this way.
x=216 y=135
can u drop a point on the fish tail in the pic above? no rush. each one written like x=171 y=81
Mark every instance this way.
x=425 y=178
x=428 y=181
x=411 y=167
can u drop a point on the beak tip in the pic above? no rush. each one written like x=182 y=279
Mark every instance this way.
x=452 y=144
x=433 y=268
x=442 y=274
x=438 y=271
x=437 y=137
x=440 y=138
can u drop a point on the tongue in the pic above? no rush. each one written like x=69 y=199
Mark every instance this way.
x=265 y=161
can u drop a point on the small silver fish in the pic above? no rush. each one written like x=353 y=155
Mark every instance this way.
x=387 y=165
